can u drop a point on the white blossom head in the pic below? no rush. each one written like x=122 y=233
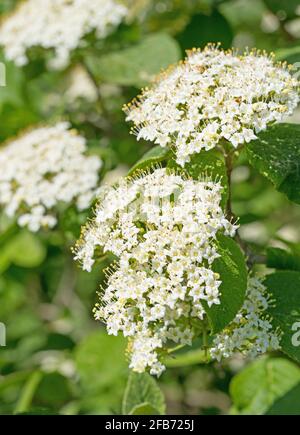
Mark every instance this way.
x=212 y=98
x=43 y=168
x=57 y=24
x=162 y=227
x=251 y=332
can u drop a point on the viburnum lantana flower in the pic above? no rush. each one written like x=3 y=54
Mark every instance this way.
x=162 y=227
x=213 y=97
x=42 y=168
x=57 y=24
x=251 y=332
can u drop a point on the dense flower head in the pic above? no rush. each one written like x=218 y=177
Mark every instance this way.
x=251 y=332
x=162 y=227
x=42 y=168
x=211 y=98
x=58 y=25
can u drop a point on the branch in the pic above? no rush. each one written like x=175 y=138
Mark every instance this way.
x=252 y=258
x=101 y=106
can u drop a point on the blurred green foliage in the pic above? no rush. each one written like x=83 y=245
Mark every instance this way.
x=57 y=358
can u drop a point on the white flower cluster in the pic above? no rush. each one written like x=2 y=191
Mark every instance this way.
x=162 y=228
x=42 y=168
x=58 y=25
x=213 y=97
x=251 y=333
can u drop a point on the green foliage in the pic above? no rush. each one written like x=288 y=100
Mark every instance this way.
x=23 y=242
x=258 y=386
x=102 y=368
x=206 y=164
x=290 y=54
x=203 y=29
x=284 y=286
x=142 y=396
x=153 y=156
x=188 y=358
x=278 y=258
x=137 y=65
x=277 y=6
x=57 y=359
x=233 y=274
x=276 y=155
x=288 y=404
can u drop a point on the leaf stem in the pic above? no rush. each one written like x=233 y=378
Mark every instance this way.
x=101 y=106
x=252 y=258
x=229 y=167
x=174 y=349
x=28 y=392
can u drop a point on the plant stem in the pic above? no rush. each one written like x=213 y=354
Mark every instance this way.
x=28 y=392
x=204 y=337
x=252 y=258
x=229 y=167
x=174 y=349
x=95 y=82
x=104 y=115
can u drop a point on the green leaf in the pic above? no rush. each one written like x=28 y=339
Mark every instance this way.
x=38 y=411
x=153 y=156
x=102 y=368
x=276 y=155
x=94 y=357
x=28 y=392
x=233 y=273
x=137 y=65
x=206 y=28
x=26 y=250
x=12 y=92
x=289 y=7
x=142 y=389
x=290 y=54
x=278 y=258
x=259 y=385
x=53 y=391
x=191 y=357
x=144 y=409
x=206 y=164
x=7 y=5
x=289 y=404
x=284 y=286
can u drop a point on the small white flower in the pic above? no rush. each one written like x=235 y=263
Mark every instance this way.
x=42 y=168
x=57 y=24
x=213 y=97
x=251 y=332
x=162 y=227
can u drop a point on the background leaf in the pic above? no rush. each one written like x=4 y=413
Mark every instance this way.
x=153 y=156
x=142 y=392
x=289 y=404
x=102 y=368
x=278 y=258
x=284 y=286
x=276 y=155
x=206 y=164
x=24 y=249
x=137 y=65
x=203 y=29
x=233 y=274
x=289 y=7
x=255 y=389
